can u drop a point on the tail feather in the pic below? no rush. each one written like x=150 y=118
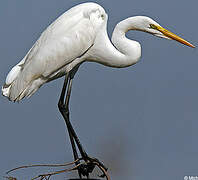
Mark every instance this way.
x=10 y=79
x=18 y=86
x=30 y=89
x=5 y=90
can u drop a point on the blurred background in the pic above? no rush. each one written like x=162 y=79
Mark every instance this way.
x=140 y=121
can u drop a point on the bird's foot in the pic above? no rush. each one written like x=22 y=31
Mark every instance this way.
x=90 y=163
x=86 y=168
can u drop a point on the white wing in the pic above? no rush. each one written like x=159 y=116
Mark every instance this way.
x=61 y=43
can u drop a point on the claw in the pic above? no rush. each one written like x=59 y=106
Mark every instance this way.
x=87 y=168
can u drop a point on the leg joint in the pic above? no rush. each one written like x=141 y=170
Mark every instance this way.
x=61 y=106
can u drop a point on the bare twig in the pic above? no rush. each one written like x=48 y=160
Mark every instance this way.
x=42 y=165
x=47 y=176
x=103 y=170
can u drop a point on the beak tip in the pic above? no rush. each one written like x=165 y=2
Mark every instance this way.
x=191 y=45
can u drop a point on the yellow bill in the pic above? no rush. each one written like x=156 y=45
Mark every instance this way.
x=173 y=36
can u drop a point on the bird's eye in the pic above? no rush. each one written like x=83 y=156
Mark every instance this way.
x=152 y=26
x=102 y=16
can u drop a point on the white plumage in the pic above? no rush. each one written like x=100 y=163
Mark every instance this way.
x=59 y=45
x=76 y=36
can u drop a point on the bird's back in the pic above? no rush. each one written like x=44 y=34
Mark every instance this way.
x=66 y=39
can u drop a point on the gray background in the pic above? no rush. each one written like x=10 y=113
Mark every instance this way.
x=141 y=121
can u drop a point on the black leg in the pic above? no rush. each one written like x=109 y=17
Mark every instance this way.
x=84 y=169
x=61 y=105
x=64 y=109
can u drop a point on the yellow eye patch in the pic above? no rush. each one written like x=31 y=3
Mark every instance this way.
x=153 y=26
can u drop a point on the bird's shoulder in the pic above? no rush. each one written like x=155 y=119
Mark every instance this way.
x=67 y=38
x=82 y=17
x=76 y=28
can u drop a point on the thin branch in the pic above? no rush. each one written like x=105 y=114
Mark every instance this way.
x=42 y=165
x=48 y=175
x=103 y=170
x=55 y=173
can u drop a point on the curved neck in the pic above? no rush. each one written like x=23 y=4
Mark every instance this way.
x=123 y=52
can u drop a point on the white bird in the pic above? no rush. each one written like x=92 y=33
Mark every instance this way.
x=78 y=35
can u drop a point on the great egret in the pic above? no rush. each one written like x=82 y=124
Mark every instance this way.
x=77 y=36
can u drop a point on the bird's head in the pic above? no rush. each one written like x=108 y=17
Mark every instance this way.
x=148 y=25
